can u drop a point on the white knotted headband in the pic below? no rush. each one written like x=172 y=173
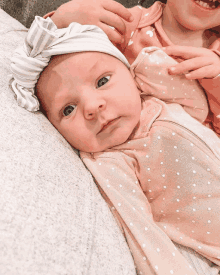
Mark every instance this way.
x=44 y=40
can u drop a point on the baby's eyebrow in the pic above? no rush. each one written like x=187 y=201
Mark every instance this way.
x=94 y=66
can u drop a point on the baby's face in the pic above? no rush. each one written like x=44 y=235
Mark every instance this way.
x=91 y=98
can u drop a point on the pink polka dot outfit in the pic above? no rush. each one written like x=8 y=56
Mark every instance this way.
x=146 y=30
x=163 y=183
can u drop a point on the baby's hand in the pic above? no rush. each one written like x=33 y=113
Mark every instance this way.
x=200 y=62
x=106 y=14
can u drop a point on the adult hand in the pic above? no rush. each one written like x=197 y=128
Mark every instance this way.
x=106 y=14
x=199 y=62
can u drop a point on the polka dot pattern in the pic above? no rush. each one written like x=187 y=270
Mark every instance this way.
x=174 y=174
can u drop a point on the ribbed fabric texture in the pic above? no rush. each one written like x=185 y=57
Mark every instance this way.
x=45 y=40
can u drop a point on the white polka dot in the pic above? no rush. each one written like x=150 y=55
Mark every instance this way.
x=172 y=78
x=194 y=209
x=209 y=208
x=134 y=209
x=177 y=200
x=160 y=151
x=194 y=184
x=177 y=210
x=133 y=191
x=161 y=162
x=164 y=227
x=164 y=187
x=108 y=185
x=144 y=258
x=178 y=186
x=158 y=137
x=209 y=196
x=193 y=158
x=136 y=182
x=208 y=232
x=158 y=249
x=193 y=221
x=119 y=204
x=113 y=168
x=208 y=169
x=146 y=14
x=156 y=267
x=199 y=247
x=142 y=208
x=177 y=173
x=194 y=198
x=148 y=168
x=209 y=182
x=146 y=68
x=194 y=172
x=150 y=191
x=193 y=231
x=100 y=163
x=120 y=185
x=148 y=180
x=144 y=245
x=181 y=238
x=177 y=160
x=145 y=228
x=175 y=147
x=147 y=156
x=171 y=271
x=209 y=221
x=173 y=254
x=131 y=224
x=191 y=144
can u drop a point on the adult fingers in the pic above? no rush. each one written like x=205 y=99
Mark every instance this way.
x=113 y=20
x=189 y=65
x=114 y=36
x=204 y=72
x=118 y=9
x=185 y=52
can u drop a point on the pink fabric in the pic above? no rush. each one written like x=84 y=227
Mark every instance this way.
x=146 y=30
x=163 y=183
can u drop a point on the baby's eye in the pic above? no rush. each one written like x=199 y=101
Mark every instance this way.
x=103 y=80
x=68 y=110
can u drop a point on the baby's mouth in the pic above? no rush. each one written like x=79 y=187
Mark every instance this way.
x=208 y=4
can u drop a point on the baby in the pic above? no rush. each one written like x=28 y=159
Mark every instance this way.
x=156 y=166
x=185 y=29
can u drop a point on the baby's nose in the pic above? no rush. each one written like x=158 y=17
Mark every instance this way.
x=93 y=107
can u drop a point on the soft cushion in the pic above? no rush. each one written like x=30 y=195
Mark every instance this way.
x=53 y=220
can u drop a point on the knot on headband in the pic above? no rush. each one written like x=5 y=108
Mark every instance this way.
x=44 y=40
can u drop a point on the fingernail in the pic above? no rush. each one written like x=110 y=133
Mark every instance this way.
x=187 y=75
x=131 y=18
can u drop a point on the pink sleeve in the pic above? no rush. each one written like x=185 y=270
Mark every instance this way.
x=153 y=251
x=212 y=88
x=150 y=73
